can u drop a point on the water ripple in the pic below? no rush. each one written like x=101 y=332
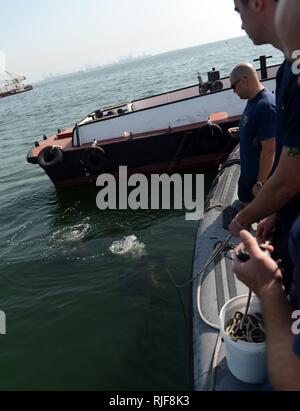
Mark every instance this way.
x=70 y=234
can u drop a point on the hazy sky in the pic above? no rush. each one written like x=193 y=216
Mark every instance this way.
x=59 y=36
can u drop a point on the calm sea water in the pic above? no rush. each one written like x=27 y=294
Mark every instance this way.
x=87 y=294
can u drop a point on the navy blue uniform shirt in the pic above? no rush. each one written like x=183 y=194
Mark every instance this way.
x=288 y=133
x=258 y=123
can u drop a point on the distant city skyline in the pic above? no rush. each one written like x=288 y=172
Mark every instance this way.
x=62 y=36
x=88 y=67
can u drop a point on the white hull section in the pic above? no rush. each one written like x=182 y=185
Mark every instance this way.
x=160 y=113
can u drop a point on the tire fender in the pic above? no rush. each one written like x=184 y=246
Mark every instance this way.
x=50 y=157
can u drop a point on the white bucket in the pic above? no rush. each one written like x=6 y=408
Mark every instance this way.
x=246 y=361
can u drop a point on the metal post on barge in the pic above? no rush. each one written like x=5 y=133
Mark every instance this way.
x=263 y=66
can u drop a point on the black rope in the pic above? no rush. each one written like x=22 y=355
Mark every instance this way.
x=217 y=252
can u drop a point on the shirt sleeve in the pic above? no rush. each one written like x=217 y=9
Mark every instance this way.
x=266 y=119
x=292 y=134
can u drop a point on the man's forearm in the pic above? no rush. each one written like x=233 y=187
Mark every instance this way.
x=266 y=165
x=274 y=195
x=283 y=364
x=278 y=191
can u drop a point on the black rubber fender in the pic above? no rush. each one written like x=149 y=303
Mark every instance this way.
x=211 y=137
x=50 y=157
x=94 y=158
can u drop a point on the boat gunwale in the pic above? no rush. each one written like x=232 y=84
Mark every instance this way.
x=164 y=104
x=166 y=131
x=67 y=145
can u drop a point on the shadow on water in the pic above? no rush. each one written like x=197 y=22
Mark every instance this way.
x=75 y=203
x=133 y=239
x=83 y=198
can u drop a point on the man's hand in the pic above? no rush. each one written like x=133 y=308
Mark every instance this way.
x=234 y=132
x=260 y=273
x=236 y=226
x=265 y=228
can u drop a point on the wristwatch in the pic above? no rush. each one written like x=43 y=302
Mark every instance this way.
x=259 y=184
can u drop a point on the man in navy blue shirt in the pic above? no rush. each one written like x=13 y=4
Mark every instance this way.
x=280 y=195
x=261 y=273
x=288 y=28
x=257 y=130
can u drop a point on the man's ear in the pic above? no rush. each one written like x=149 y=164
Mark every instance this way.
x=244 y=81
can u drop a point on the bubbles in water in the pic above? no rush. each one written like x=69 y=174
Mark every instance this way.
x=71 y=234
x=129 y=245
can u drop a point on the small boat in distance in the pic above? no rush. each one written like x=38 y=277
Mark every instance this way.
x=179 y=130
x=13 y=86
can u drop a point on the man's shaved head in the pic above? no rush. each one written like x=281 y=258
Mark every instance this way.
x=244 y=69
x=245 y=81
